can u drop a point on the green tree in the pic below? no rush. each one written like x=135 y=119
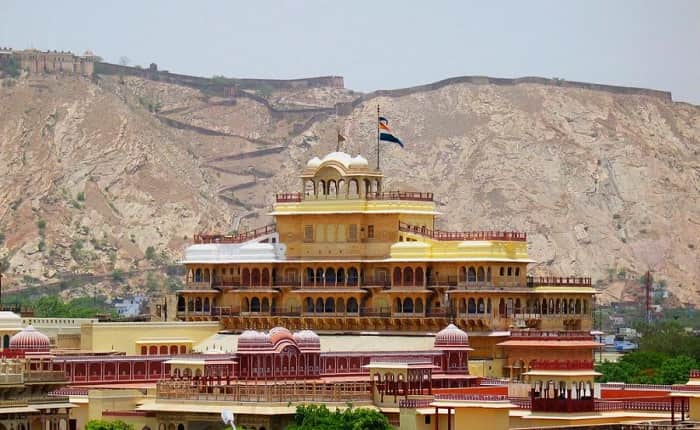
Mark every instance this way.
x=318 y=417
x=150 y=253
x=118 y=275
x=675 y=370
x=108 y=425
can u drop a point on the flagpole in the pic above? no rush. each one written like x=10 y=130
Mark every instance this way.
x=378 y=136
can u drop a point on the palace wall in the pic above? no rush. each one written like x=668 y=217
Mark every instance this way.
x=103 y=337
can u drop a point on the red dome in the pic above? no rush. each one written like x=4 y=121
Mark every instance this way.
x=452 y=337
x=307 y=340
x=29 y=339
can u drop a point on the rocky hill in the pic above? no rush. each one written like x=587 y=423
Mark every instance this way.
x=112 y=175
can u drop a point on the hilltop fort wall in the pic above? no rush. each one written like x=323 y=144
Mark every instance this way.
x=485 y=80
x=219 y=85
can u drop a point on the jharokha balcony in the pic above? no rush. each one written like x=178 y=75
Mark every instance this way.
x=387 y=195
x=463 y=235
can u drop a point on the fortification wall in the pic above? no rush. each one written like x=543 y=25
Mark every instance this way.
x=218 y=85
x=485 y=80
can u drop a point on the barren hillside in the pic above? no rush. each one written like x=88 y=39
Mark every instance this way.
x=93 y=173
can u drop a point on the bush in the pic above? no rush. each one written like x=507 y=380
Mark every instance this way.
x=80 y=196
x=118 y=275
x=150 y=253
x=108 y=425
x=41 y=225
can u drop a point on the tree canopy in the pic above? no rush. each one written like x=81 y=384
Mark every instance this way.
x=108 y=425
x=319 y=417
x=666 y=355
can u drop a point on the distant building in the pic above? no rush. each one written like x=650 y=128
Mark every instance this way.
x=35 y=61
x=130 y=307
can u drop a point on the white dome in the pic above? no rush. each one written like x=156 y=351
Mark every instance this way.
x=359 y=161
x=451 y=337
x=341 y=157
x=314 y=162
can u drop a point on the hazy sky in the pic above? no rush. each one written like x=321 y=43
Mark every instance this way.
x=380 y=45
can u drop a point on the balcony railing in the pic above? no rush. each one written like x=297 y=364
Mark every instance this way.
x=280 y=392
x=375 y=312
x=387 y=195
x=562 y=405
x=463 y=235
x=545 y=334
x=238 y=238
x=563 y=364
x=401 y=195
x=568 y=281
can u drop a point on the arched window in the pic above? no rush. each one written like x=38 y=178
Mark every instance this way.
x=206 y=304
x=173 y=350
x=206 y=275
x=255 y=276
x=585 y=307
x=510 y=271
x=564 y=307
x=557 y=307
x=163 y=350
x=265 y=305
x=397 y=276
x=501 y=307
x=352 y=305
x=471 y=275
x=198 y=275
x=398 y=306
x=340 y=305
x=517 y=271
x=309 y=188
x=309 y=276
x=319 y=276
x=572 y=306
x=246 y=277
x=501 y=271
x=266 y=276
x=352 y=276
x=341 y=276
x=153 y=350
x=353 y=188
x=544 y=306
x=408 y=276
x=330 y=276
x=255 y=304
x=198 y=304
x=408 y=305
x=488 y=274
x=551 y=306
x=419 y=306
x=517 y=306
x=471 y=306
x=332 y=189
x=419 y=276
x=309 y=305
x=330 y=305
x=462 y=274
x=322 y=187
x=481 y=275
x=180 y=308
x=319 y=305
x=341 y=187
x=488 y=306
x=245 y=304
x=481 y=308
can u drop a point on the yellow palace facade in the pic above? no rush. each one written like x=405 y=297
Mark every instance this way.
x=345 y=255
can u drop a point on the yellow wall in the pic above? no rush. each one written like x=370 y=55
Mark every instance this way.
x=101 y=337
x=694 y=411
x=487 y=419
